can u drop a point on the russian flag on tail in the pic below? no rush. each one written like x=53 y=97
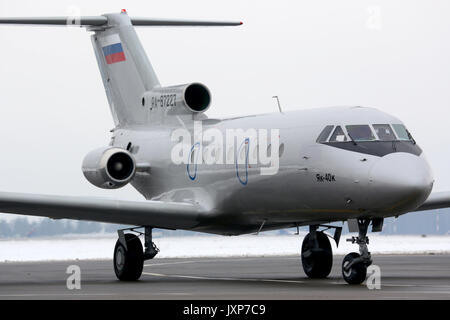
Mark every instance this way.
x=112 y=49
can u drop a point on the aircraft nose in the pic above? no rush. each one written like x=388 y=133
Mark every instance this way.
x=400 y=182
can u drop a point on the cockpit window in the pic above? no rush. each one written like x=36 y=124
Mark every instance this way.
x=338 y=135
x=365 y=133
x=360 y=132
x=324 y=134
x=377 y=139
x=384 y=132
x=401 y=132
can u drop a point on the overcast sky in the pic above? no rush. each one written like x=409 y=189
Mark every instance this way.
x=392 y=55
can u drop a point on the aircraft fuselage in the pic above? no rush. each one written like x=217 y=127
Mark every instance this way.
x=316 y=182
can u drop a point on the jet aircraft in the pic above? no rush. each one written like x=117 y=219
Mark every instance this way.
x=323 y=166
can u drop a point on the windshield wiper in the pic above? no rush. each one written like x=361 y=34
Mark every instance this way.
x=394 y=145
x=351 y=138
x=410 y=136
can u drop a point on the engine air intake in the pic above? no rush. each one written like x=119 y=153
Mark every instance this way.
x=197 y=97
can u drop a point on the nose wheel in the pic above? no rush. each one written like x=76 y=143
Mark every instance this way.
x=353 y=271
x=354 y=265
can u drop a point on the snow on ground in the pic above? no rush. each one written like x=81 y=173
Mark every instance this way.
x=101 y=246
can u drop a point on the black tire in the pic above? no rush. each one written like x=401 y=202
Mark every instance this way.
x=357 y=273
x=317 y=262
x=128 y=264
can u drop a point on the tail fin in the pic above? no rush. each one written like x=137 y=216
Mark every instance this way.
x=125 y=69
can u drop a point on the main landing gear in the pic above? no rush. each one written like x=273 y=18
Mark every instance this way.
x=129 y=255
x=317 y=256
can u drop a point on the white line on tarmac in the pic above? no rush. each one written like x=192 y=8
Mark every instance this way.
x=92 y=294
x=167 y=263
x=198 y=261
x=56 y=294
x=219 y=278
x=414 y=285
x=283 y=281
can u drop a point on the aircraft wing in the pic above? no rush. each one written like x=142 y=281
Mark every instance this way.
x=158 y=214
x=436 y=200
x=102 y=20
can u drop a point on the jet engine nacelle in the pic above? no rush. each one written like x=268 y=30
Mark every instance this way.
x=109 y=167
x=190 y=98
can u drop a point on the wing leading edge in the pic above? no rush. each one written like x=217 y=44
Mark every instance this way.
x=437 y=200
x=166 y=215
x=98 y=21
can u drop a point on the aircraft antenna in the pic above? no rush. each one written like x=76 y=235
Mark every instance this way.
x=278 y=101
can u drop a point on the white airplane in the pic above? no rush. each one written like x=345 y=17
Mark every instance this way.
x=312 y=167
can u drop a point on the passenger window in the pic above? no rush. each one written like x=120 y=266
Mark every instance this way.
x=384 y=132
x=324 y=134
x=401 y=132
x=360 y=132
x=338 y=135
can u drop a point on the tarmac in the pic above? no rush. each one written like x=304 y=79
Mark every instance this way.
x=255 y=278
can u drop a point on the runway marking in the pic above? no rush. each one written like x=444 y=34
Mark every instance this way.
x=167 y=263
x=56 y=294
x=423 y=292
x=414 y=285
x=276 y=280
x=399 y=285
x=198 y=261
x=225 y=259
x=219 y=278
x=92 y=294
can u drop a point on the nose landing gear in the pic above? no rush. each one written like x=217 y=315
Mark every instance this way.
x=129 y=255
x=354 y=265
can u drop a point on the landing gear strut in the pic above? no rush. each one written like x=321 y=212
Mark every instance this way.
x=129 y=255
x=317 y=255
x=354 y=266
